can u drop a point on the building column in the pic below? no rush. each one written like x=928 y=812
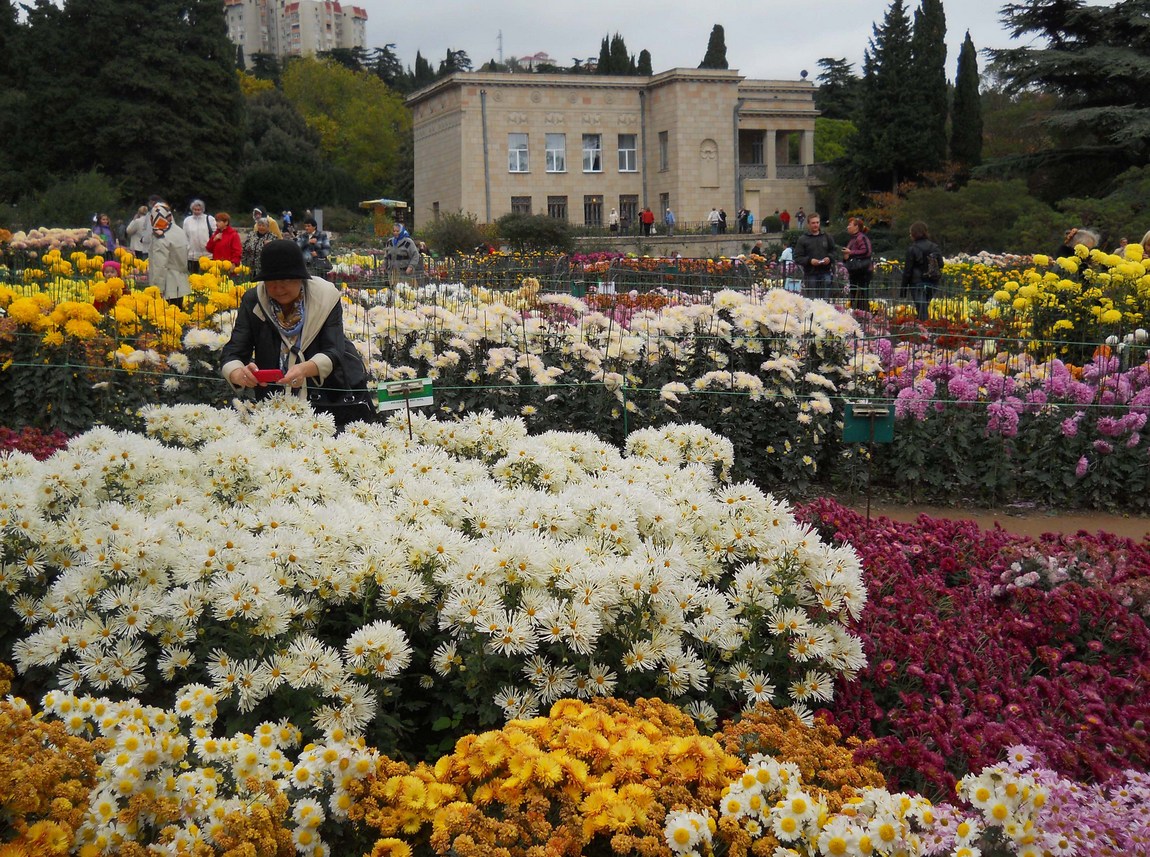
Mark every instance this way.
x=808 y=148
x=770 y=153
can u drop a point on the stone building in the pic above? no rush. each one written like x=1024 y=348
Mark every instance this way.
x=576 y=146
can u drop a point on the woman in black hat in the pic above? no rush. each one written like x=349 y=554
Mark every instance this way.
x=292 y=323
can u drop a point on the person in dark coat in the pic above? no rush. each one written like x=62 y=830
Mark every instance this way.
x=816 y=253
x=917 y=281
x=293 y=322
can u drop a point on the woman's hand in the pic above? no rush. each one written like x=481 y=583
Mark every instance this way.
x=245 y=376
x=297 y=375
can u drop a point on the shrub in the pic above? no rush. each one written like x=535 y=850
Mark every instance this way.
x=535 y=232
x=456 y=233
x=72 y=200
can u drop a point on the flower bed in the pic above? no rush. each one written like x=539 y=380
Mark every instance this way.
x=766 y=368
x=502 y=572
x=978 y=640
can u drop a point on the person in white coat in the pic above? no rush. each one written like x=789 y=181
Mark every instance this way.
x=198 y=227
x=168 y=257
x=139 y=232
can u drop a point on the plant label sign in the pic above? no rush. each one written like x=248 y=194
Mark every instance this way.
x=416 y=393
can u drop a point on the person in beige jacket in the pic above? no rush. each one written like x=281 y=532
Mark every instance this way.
x=168 y=256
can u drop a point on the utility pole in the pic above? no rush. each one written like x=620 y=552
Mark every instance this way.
x=501 y=47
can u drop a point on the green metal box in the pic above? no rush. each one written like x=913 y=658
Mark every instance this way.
x=868 y=422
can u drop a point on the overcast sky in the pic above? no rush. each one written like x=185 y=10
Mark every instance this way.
x=771 y=39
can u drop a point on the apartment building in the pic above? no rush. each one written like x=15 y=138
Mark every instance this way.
x=295 y=28
x=576 y=146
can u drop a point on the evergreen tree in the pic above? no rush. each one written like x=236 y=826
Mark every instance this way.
x=604 y=65
x=928 y=50
x=643 y=67
x=384 y=64
x=1097 y=60
x=966 y=115
x=885 y=151
x=453 y=62
x=266 y=66
x=621 y=61
x=837 y=96
x=423 y=73
x=354 y=59
x=716 y=56
x=13 y=178
x=160 y=107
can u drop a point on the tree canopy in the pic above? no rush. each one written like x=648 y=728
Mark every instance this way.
x=1096 y=60
x=716 y=55
x=966 y=114
x=361 y=123
x=144 y=116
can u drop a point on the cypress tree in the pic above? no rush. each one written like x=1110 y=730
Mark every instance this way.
x=422 y=73
x=886 y=148
x=604 y=66
x=644 y=65
x=966 y=115
x=716 y=56
x=621 y=62
x=928 y=50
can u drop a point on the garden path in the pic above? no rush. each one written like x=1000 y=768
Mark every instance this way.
x=1025 y=521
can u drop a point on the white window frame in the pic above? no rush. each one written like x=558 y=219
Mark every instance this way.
x=518 y=160
x=556 y=154
x=629 y=157
x=593 y=154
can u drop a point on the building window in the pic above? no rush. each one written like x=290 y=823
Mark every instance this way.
x=520 y=205
x=435 y=210
x=557 y=207
x=556 y=153
x=664 y=151
x=628 y=210
x=592 y=153
x=628 y=162
x=593 y=210
x=517 y=153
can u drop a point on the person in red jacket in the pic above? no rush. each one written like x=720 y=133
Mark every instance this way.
x=647 y=218
x=225 y=244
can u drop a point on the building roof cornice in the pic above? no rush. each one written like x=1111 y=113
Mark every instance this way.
x=575 y=81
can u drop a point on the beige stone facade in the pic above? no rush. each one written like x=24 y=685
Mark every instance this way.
x=576 y=146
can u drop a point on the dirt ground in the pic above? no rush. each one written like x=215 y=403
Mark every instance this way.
x=1024 y=521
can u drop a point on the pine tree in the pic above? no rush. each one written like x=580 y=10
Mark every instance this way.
x=643 y=67
x=966 y=115
x=838 y=94
x=1097 y=61
x=716 y=56
x=384 y=64
x=928 y=50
